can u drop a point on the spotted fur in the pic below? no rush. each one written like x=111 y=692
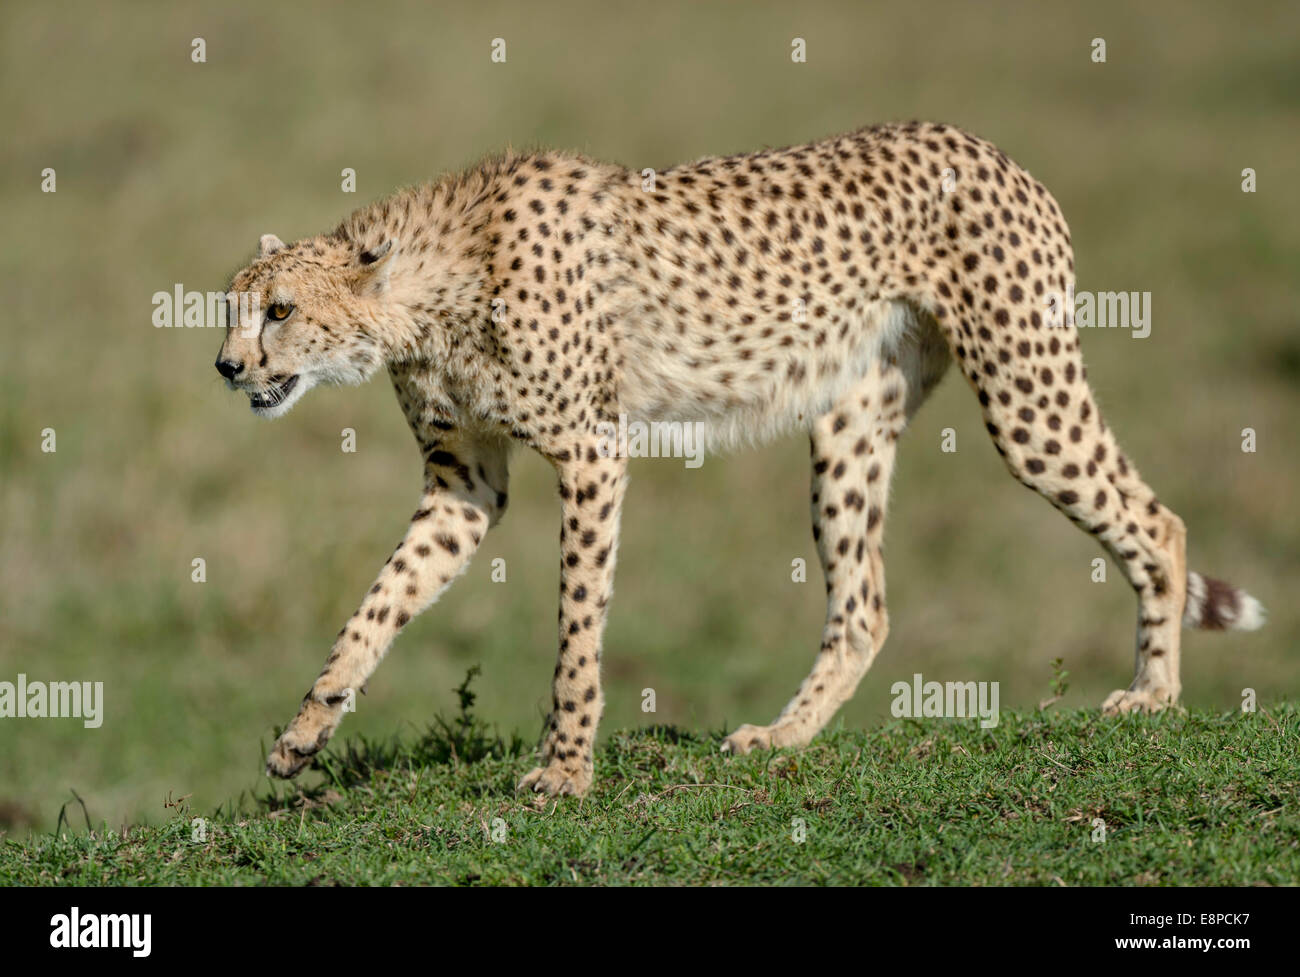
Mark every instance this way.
x=824 y=288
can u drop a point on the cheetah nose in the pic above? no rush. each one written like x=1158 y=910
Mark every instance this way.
x=229 y=369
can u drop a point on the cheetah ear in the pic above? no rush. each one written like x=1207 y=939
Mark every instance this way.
x=378 y=254
x=374 y=266
x=268 y=244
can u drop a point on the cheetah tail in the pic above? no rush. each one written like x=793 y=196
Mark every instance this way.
x=1217 y=606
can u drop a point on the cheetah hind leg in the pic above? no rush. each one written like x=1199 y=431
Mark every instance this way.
x=853 y=447
x=1045 y=424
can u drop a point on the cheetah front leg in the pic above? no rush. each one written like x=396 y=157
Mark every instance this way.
x=591 y=493
x=465 y=493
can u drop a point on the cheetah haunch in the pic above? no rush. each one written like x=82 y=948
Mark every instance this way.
x=823 y=287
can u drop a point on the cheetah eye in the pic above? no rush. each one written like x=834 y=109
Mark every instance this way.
x=279 y=311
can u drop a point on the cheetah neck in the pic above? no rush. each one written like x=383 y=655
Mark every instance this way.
x=435 y=297
x=435 y=326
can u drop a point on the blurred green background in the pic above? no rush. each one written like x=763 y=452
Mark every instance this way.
x=169 y=170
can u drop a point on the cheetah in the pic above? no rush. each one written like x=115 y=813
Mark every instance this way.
x=536 y=297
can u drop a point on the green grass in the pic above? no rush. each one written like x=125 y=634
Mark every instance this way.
x=1186 y=798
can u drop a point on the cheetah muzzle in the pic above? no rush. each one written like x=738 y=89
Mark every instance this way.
x=273 y=396
x=824 y=288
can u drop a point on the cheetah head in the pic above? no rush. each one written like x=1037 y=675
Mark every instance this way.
x=303 y=314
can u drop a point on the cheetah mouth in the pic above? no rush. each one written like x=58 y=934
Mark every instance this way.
x=273 y=396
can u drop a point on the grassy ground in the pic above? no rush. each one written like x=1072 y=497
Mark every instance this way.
x=1044 y=798
x=169 y=170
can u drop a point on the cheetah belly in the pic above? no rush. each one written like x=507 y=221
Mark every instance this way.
x=739 y=398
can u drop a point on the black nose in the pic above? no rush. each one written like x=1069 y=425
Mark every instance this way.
x=228 y=369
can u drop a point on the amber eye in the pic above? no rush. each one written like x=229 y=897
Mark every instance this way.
x=279 y=311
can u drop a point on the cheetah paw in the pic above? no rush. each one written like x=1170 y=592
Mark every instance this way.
x=553 y=780
x=294 y=750
x=748 y=737
x=1132 y=700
